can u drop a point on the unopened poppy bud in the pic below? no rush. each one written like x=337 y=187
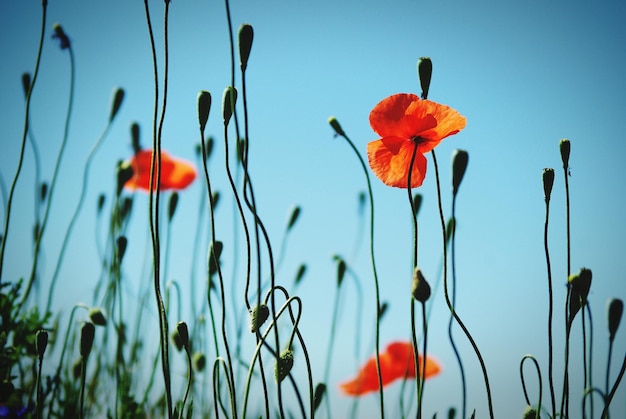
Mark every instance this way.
x=199 y=361
x=530 y=413
x=172 y=205
x=459 y=164
x=87 y=334
x=178 y=342
x=26 y=83
x=300 y=274
x=204 y=107
x=208 y=147
x=101 y=200
x=41 y=342
x=615 y=309
x=548 y=181
x=258 y=316
x=579 y=284
x=246 y=35
x=335 y=125
x=183 y=333
x=564 y=146
x=241 y=149
x=124 y=174
x=382 y=309
x=215 y=199
x=341 y=269
x=127 y=205
x=59 y=34
x=417 y=203
x=425 y=72
x=77 y=367
x=320 y=390
x=283 y=365
x=96 y=315
x=134 y=137
x=229 y=100
x=43 y=191
x=215 y=251
x=295 y=213
x=118 y=98
x=420 y=288
x=121 y=242
x=450 y=229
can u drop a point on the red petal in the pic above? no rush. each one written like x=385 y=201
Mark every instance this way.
x=390 y=158
x=402 y=115
x=176 y=173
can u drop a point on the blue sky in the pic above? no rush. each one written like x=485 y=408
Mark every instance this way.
x=524 y=74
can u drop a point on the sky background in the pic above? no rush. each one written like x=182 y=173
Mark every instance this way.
x=524 y=74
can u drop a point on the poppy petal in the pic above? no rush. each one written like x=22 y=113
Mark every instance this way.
x=390 y=158
x=396 y=362
x=176 y=174
x=401 y=115
x=449 y=122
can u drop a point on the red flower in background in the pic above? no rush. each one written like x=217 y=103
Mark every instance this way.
x=397 y=362
x=404 y=121
x=176 y=174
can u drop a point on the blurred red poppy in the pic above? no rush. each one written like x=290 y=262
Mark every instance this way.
x=176 y=174
x=405 y=121
x=397 y=362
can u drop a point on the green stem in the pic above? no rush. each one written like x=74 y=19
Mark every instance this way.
x=550 y=310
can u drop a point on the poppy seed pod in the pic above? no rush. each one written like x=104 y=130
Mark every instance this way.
x=178 y=341
x=548 y=181
x=246 y=35
x=215 y=251
x=229 y=100
x=459 y=165
x=173 y=204
x=564 y=146
x=341 y=269
x=295 y=213
x=41 y=342
x=199 y=361
x=614 y=312
x=125 y=173
x=258 y=316
x=530 y=413
x=417 y=203
x=420 y=288
x=118 y=98
x=425 y=72
x=579 y=284
x=283 y=365
x=87 y=334
x=97 y=316
x=335 y=125
x=122 y=242
x=26 y=82
x=300 y=274
x=204 y=107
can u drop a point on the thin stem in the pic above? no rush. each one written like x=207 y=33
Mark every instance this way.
x=7 y=217
x=609 y=397
x=445 y=288
x=521 y=372
x=550 y=310
x=376 y=285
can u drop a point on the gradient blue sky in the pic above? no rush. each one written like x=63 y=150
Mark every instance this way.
x=524 y=74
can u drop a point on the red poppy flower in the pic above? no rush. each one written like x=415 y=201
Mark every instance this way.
x=176 y=173
x=404 y=121
x=397 y=362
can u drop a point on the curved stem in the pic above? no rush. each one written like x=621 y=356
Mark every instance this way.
x=521 y=372
x=550 y=310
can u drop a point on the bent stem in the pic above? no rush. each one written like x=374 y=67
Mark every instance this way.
x=449 y=303
x=521 y=372
x=550 y=309
x=376 y=285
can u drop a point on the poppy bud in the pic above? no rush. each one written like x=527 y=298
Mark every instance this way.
x=425 y=72
x=59 y=34
x=204 y=106
x=87 y=334
x=199 y=361
x=43 y=191
x=26 y=80
x=459 y=164
x=295 y=213
x=215 y=251
x=335 y=125
x=382 y=309
x=122 y=242
x=548 y=181
x=420 y=288
x=564 y=146
x=183 y=333
x=178 y=341
x=41 y=342
x=124 y=174
x=101 y=201
x=417 y=203
x=258 y=316
x=134 y=137
x=615 y=309
x=118 y=98
x=228 y=103
x=77 y=368
x=341 y=270
x=208 y=146
x=530 y=413
x=241 y=149
x=320 y=390
x=283 y=365
x=97 y=316
x=579 y=284
x=450 y=228
x=300 y=274
x=172 y=206
x=246 y=35
x=215 y=198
